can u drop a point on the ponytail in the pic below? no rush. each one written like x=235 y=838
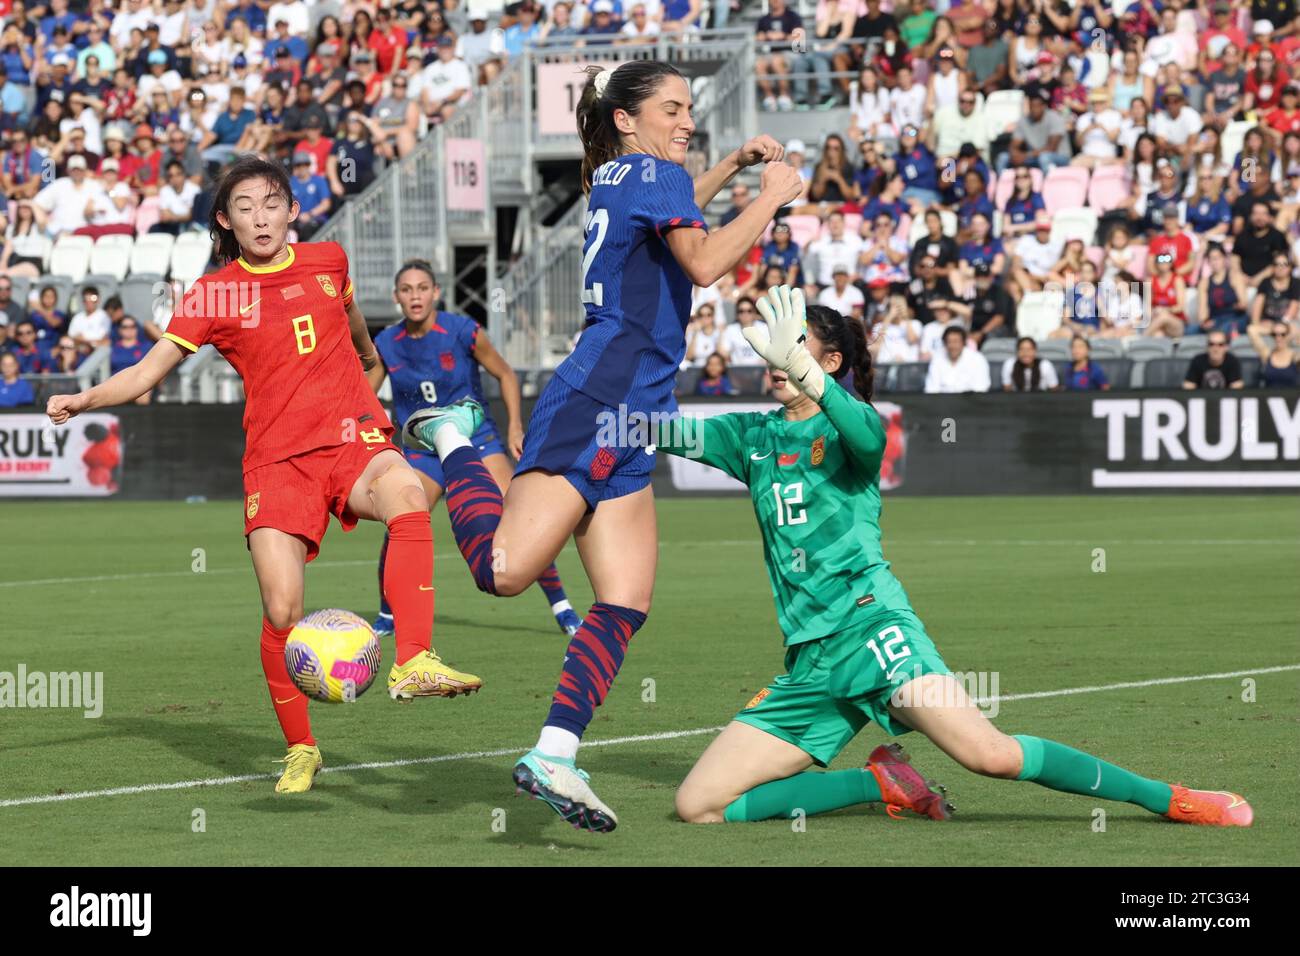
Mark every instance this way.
x=848 y=336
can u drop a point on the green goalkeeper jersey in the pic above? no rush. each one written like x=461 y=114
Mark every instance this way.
x=815 y=485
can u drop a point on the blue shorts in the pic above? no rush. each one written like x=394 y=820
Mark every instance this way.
x=573 y=435
x=487 y=440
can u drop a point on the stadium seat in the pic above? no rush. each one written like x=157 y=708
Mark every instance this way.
x=1139 y=349
x=1138 y=264
x=62 y=287
x=803 y=229
x=1039 y=314
x=1190 y=345
x=1250 y=371
x=1241 y=346
x=190 y=256
x=1096 y=255
x=1105 y=348
x=919 y=229
x=996 y=350
x=1160 y=373
x=904 y=226
x=909 y=376
x=138 y=295
x=1006 y=185
x=748 y=379
x=1076 y=223
x=22 y=286
x=687 y=379
x=852 y=223
x=1054 y=349
x=1066 y=187
x=1002 y=109
x=1108 y=188
x=111 y=255
x=71 y=256
x=1119 y=371
x=151 y=254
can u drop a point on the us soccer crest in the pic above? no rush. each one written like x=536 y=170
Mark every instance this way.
x=819 y=450
x=253 y=500
x=327 y=284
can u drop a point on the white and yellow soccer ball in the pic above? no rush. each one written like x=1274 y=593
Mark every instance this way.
x=332 y=655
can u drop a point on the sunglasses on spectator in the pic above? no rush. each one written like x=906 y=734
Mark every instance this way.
x=1279 y=335
x=1218 y=345
x=67 y=348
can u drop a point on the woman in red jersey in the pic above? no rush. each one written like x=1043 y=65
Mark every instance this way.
x=318 y=441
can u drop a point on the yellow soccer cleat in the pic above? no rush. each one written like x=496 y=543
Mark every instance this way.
x=302 y=763
x=426 y=675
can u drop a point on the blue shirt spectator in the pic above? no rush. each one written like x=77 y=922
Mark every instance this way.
x=1204 y=214
x=1022 y=211
x=252 y=14
x=229 y=128
x=309 y=192
x=14 y=391
x=977 y=252
x=1090 y=378
x=296 y=46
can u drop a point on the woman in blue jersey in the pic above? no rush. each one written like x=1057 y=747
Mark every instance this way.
x=434 y=358
x=588 y=453
x=856 y=651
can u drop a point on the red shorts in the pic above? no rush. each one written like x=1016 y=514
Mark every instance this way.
x=298 y=495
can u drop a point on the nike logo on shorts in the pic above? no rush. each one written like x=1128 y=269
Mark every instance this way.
x=757 y=457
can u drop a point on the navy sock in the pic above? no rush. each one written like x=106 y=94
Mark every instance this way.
x=591 y=662
x=550 y=584
x=474 y=504
x=383 y=560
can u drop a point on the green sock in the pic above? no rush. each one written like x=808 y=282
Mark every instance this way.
x=1063 y=768
x=809 y=791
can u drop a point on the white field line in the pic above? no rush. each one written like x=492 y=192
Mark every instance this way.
x=731 y=543
x=611 y=742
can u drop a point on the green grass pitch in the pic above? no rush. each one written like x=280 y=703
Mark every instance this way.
x=1191 y=586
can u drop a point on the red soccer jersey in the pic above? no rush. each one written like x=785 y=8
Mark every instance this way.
x=285 y=330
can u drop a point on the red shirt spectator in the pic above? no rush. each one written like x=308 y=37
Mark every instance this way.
x=1286 y=118
x=1268 y=92
x=1178 y=243
x=386 y=42
x=319 y=149
x=150 y=164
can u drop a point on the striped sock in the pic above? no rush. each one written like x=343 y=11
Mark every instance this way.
x=474 y=504
x=591 y=662
x=550 y=584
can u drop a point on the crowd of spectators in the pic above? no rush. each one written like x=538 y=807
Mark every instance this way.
x=926 y=214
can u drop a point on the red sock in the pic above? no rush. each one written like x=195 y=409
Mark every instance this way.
x=289 y=702
x=408 y=582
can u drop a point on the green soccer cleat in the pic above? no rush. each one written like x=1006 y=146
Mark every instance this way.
x=564 y=788
x=418 y=432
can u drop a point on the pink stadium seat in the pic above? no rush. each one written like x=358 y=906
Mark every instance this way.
x=904 y=227
x=1066 y=187
x=852 y=222
x=1139 y=260
x=1096 y=255
x=1108 y=188
x=1006 y=185
x=804 y=229
x=149 y=213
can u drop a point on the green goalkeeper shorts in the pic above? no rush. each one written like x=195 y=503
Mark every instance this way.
x=832 y=687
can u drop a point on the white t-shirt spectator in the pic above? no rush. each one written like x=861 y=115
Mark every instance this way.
x=169 y=28
x=630 y=30
x=737 y=347
x=703 y=343
x=478 y=48
x=88 y=120
x=440 y=80
x=843 y=303
x=1177 y=131
x=1046 y=378
x=932 y=338
x=871 y=112
x=1097 y=143
x=93 y=327
x=832 y=252
x=1038 y=257
x=106 y=212
x=907 y=107
x=295 y=12
x=178 y=203
x=970 y=373
x=895 y=346
x=170 y=81
x=66 y=204
x=119 y=31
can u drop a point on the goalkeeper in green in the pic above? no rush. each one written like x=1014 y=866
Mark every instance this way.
x=855 y=649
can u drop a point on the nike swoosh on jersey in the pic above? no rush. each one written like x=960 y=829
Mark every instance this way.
x=757 y=457
x=423 y=588
x=246 y=309
x=394 y=368
x=289 y=701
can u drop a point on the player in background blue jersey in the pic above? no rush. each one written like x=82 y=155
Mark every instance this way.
x=585 y=471
x=433 y=358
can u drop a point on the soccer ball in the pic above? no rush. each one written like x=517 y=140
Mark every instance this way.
x=332 y=655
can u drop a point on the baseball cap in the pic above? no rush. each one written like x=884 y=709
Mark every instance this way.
x=156 y=57
x=144 y=131
x=1263 y=26
x=1042 y=219
x=76 y=162
x=796 y=146
x=114 y=132
x=602 y=6
x=446 y=40
x=879 y=282
x=60 y=59
x=967 y=151
x=363 y=56
x=1291 y=88
x=283 y=51
x=840 y=267
x=109 y=165
x=300 y=158
x=313 y=121
x=1044 y=58
x=239 y=62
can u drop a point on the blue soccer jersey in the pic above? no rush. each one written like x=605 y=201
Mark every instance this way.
x=637 y=298
x=437 y=368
